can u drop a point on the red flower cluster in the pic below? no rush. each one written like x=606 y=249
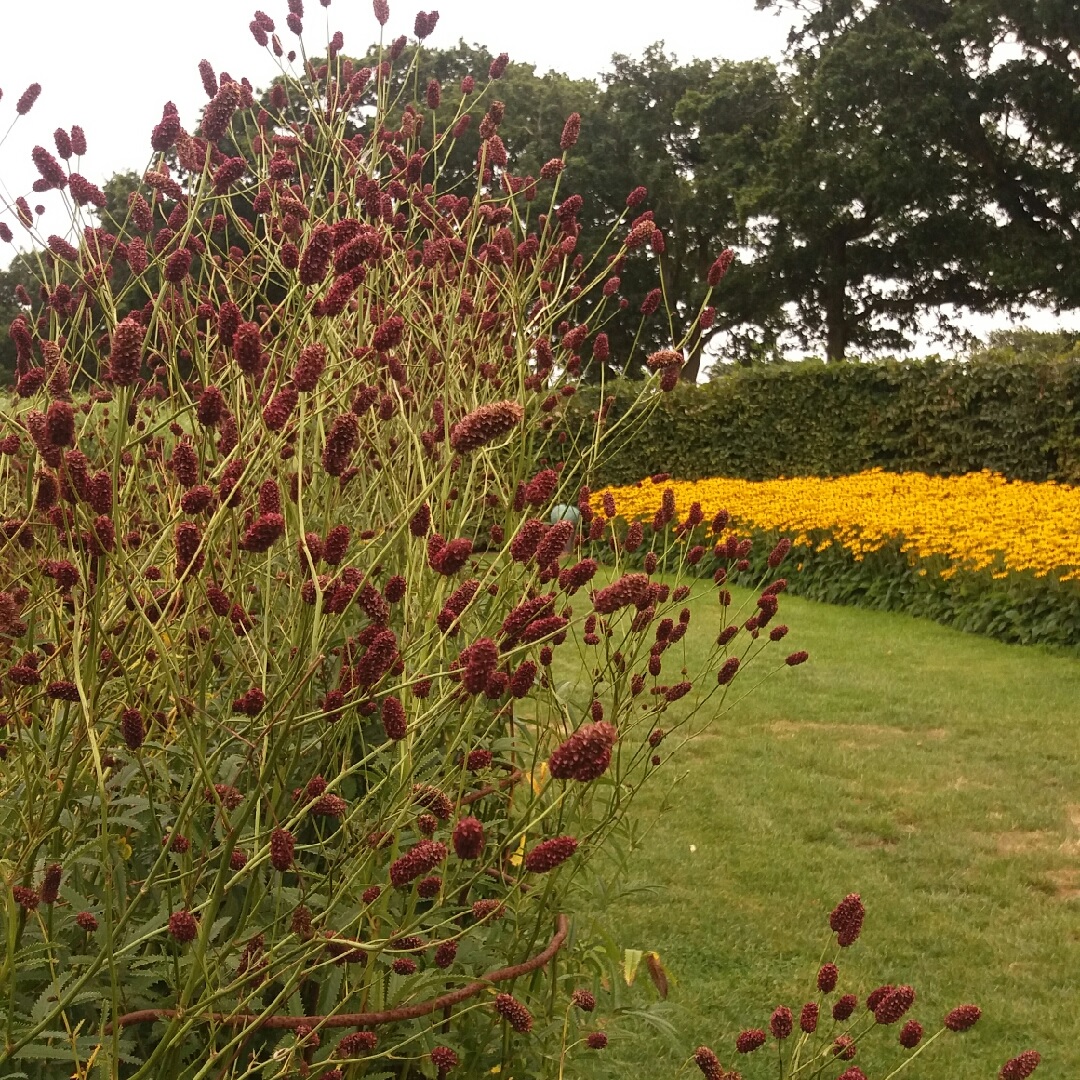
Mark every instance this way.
x=550 y=853
x=709 y=1064
x=781 y=1023
x=630 y=589
x=478 y=663
x=263 y=533
x=27 y=99
x=1020 y=1067
x=854 y=1073
x=26 y=898
x=844 y=1007
x=484 y=425
x=750 y=1040
x=183 y=926
x=394 y=721
x=962 y=1017
x=893 y=1005
x=356 y=1045
x=420 y=859
x=444 y=1059
x=826 y=978
x=125 y=356
x=282 y=848
x=468 y=838
x=846 y=919
x=720 y=267
x=911 y=1034
x=515 y=1014
x=586 y=755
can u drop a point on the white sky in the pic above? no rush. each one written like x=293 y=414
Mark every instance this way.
x=111 y=65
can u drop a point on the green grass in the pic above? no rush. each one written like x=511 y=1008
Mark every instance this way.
x=935 y=773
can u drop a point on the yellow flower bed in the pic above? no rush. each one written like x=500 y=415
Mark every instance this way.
x=976 y=521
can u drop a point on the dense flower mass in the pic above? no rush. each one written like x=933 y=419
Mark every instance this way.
x=846 y=919
x=310 y=661
x=979 y=521
x=550 y=853
x=962 y=1017
x=485 y=424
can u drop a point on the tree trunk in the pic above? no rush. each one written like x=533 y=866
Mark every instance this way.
x=692 y=367
x=835 y=297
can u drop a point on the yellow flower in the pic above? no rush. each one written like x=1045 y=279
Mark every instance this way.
x=979 y=521
x=519 y=856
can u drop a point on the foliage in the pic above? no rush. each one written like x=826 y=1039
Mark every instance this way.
x=982 y=98
x=283 y=750
x=1011 y=412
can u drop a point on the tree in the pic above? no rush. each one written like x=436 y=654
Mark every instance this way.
x=734 y=117
x=925 y=166
x=691 y=134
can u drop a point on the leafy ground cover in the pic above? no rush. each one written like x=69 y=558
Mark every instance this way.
x=932 y=771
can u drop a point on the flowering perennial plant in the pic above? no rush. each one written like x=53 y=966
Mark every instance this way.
x=287 y=784
x=979 y=521
x=977 y=550
x=817 y=1049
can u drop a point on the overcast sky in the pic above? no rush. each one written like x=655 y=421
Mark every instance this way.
x=111 y=65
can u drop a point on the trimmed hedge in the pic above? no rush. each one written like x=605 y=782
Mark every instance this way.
x=1016 y=414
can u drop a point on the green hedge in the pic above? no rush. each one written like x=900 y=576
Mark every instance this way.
x=1014 y=413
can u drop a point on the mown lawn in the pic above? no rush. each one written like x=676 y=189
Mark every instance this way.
x=935 y=773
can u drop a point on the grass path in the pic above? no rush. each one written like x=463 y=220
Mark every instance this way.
x=936 y=773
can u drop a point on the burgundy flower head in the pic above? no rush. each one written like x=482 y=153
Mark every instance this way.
x=844 y=1007
x=962 y=1017
x=183 y=926
x=550 y=853
x=709 y=1064
x=846 y=919
x=629 y=589
x=781 y=1023
x=911 y=1034
x=585 y=755
x=893 y=1006
x=468 y=838
x=515 y=1014
x=484 y=425
x=417 y=861
x=750 y=1040
x=1020 y=1067
x=27 y=99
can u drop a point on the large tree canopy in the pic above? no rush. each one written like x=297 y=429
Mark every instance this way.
x=911 y=159
x=931 y=161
